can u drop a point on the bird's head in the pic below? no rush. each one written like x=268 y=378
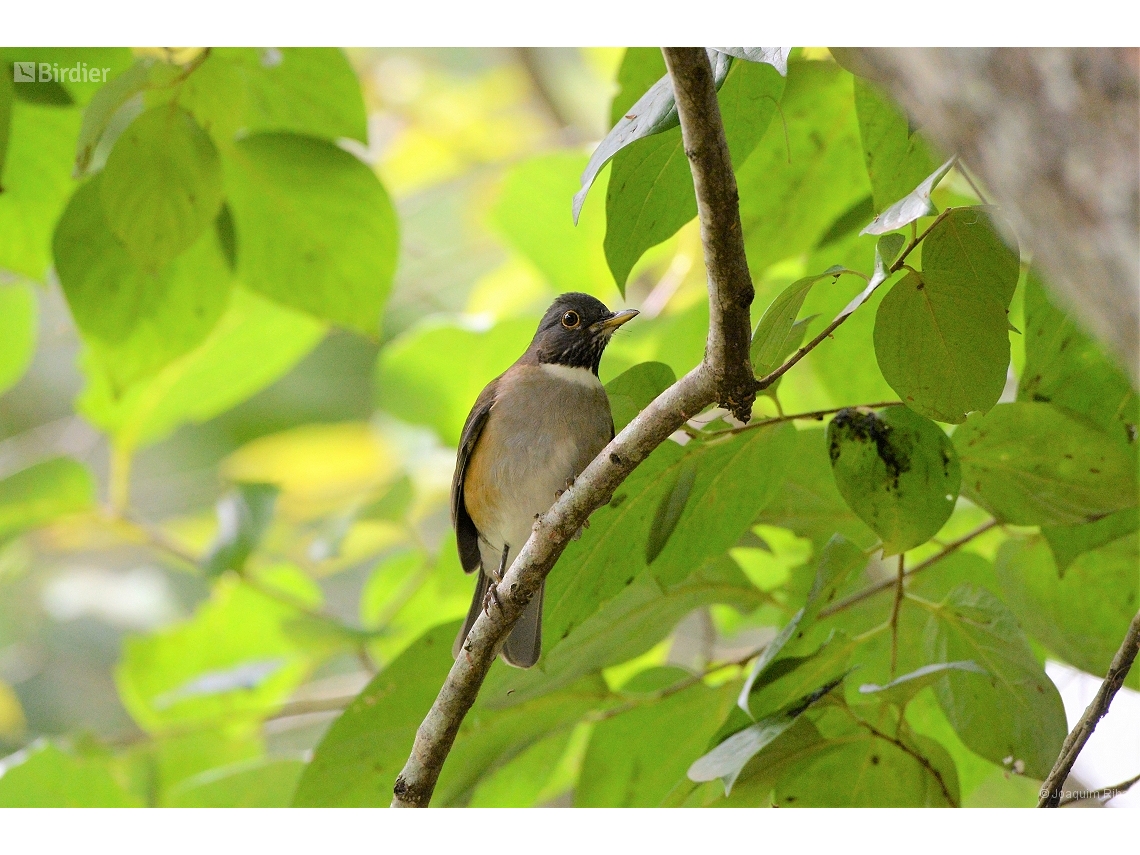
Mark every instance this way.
x=575 y=330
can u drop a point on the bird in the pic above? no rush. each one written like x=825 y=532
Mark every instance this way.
x=530 y=433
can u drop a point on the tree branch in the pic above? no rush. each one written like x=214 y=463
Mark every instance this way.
x=730 y=283
x=1051 y=789
x=724 y=375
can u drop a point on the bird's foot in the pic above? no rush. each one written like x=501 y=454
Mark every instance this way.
x=492 y=596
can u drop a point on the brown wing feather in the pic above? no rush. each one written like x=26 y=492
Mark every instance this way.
x=467 y=536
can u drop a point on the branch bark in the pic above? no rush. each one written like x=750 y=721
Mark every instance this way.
x=724 y=375
x=1051 y=789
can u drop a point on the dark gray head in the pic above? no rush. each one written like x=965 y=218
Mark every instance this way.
x=575 y=330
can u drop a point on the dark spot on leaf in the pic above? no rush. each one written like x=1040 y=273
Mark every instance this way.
x=616 y=501
x=1044 y=399
x=853 y=426
x=874 y=759
x=789 y=798
x=919 y=286
x=1094 y=471
x=629 y=581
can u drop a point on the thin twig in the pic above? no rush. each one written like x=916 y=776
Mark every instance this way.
x=871 y=590
x=970 y=180
x=1075 y=741
x=895 y=615
x=1105 y=793
x=724 y=375
x=814 y=415
x=898 y=265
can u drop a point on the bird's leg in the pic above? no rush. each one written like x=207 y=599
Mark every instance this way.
x=496 y=578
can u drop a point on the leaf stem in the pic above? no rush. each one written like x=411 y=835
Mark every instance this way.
x=816 y=415
x=902 y=746
x=871 y=590
x=898 y=265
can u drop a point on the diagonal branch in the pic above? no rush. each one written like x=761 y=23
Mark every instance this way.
x=1051 y=789
x=724 y=375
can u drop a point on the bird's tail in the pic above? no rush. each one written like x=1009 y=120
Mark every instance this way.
x=524 y=644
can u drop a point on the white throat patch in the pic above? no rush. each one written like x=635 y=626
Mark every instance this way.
x=581 y=376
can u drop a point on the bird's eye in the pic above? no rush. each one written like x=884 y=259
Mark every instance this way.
x=571 y=320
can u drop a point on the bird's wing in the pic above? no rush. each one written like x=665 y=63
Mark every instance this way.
x=467 y=536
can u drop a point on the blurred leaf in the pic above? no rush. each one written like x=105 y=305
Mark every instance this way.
x=417 y=378
x=36 y=182
x=1037 y=464
x=1082 y=616
x=808 y=503
x=106 y=102
x=901 y=689
x=652 y=113
x=1067 y=367
x=310 y=91
x=161 y=187
x=635 y=758
x=1069 y=541
x=491 y=737
x=806 y=171
x=19 y=324
x=254 y=344
x=244 y=515
x=770 y=340
x=897 y=470
x=897 y=159
x=359 y=757
x=531 y=214
x=135 y=320
x=913 y=206
x=43 y=492
x=237 y=659
x=523 y=780
x=633 y=390
x=650 y=192
x=260 y=783
x=315 y=228
x=7 y=96
x=42 y=775
x=1017 y=711
x=12 y=720
x=669 y=510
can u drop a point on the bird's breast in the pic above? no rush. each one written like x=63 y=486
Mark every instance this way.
x=543 y=429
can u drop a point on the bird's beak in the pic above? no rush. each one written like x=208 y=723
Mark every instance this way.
x=617 y=319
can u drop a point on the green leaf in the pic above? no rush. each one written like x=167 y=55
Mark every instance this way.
x=650 y=192
x=888 y=247
x=1067 y=367
x=19 y=323
x=36 y=182
x=808 y=503
x=790 y=678
x=43 y=492
x=264 y=782
x=310 y=91
x=161 y=187
x=633 y=390
x=640 y=68
x=416 y=378
x=357 y=761
x=897 y=159
x=669 y=510
x=135 y=320
x=806 y=171
x=1081 y=616
x=1017 y=712
x=530 y=778
x=490 y=737
x=531 y=214
x=106 y=102
x=43 y=775
x=315 y=228
x=1037 y=464
x=652 y=113
x=736 y=476
x=254 y=344
x=728 y=758
x=967 y=249
x=900 y=690
x=897 y=470
x=244 y=515
x=941 y=347
x=237 y=659
x=770 y=340
x=861 y=769
x=636 y=758
x=1069 y=541
x=910 y=207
